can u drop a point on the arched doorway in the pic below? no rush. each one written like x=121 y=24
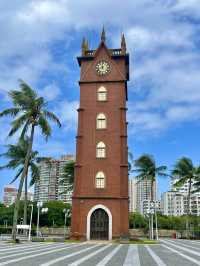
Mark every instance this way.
x=89 y=215
x=99 y=225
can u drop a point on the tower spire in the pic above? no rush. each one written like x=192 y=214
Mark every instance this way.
x=103 y=35
x=123 y=44
x=84 y=46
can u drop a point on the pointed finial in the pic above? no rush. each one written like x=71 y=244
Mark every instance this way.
x=87 y=45
x=84 y=46
x=123 y=44
x=103 y=35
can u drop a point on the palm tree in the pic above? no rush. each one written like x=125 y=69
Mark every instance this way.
x=197 y=181
x=16 y=154
x=130 y=162
x=29 y=111
x=147 y=170
x=186 y=173
x=67 y=177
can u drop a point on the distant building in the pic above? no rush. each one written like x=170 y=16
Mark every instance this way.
x=172 y=203
x=143 y=194
x=10 y=195
x=132 y=195
x=194 y=204
x=175 y=203
x=146 y=206
x=140 y=195
x=182 y=189
x=48 y=186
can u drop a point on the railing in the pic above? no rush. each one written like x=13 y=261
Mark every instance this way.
x=89 y=52
x=112 y=52
x=116 y=51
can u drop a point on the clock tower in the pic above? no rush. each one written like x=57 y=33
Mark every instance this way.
x=100 y=197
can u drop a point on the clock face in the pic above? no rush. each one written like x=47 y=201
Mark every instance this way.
x=102 y=67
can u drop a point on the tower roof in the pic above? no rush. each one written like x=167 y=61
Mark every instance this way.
x=103 y=35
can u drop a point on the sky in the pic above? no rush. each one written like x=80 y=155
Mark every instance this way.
x=40 y=40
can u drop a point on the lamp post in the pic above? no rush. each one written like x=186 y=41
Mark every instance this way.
x=39 y=205
x=29 y=235
x=152 y=206
x=156 y=220
x=67 y=214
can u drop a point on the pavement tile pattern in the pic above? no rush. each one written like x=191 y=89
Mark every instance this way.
x=167 y=253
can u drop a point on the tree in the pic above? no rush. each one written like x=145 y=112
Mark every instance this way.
x=186 y=173
x=197 y=180
x=16 y=153
x=67 y=177
x=137 y=220
x=147 y=170
x=55 y=215
x=29 y=111
x=130 y=162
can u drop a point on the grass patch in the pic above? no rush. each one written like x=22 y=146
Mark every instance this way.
x=136 y=241
x=73 y=241
x=143 y=241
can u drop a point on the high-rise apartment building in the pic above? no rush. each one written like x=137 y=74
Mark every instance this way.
x=140 y=195
x=132 y=195
x=10 y=195
x=143 y=194
x=172 y=203
x=182 y=189
x=49 y=186
x=176 y=204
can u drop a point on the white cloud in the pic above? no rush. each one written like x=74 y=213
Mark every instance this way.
x=187 y=7
x=163 y=51
x=67 y=114
x=50 y=92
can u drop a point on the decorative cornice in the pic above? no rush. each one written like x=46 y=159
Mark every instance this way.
x=123 y=165
x=80 y=109
x=79 y=136
x=123 y=108
x=100 y=197
x=78 y=165
x=123 y=136
x=101 y=81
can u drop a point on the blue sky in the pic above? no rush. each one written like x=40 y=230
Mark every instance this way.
x=39 y=44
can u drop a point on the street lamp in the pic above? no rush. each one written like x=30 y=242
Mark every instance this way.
x=29 y=235
x=156 y=219
x=67 y=214
x=152 y=209
x=39 y=205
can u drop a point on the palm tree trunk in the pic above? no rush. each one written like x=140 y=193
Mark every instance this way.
x=188 y=209
x=151 y=197
x=25 y=197
x=26 y=163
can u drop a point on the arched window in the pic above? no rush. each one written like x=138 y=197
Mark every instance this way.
x=102 y=94
x=101 y=150
x=101 y=121
x=100 y=180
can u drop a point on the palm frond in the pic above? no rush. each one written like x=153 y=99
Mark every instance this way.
x=25 y=129
x=17 y=123
x=35 y=173
x=27 y=90
x=17 y=175
x=11 y=111
x=45 y=127
x=52 y=117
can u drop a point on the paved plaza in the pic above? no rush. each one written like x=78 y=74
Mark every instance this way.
x=168 y=252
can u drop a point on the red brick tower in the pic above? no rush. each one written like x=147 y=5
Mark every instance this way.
x=100 y=198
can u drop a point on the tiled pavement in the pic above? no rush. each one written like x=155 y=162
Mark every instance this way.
x=167 y=253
